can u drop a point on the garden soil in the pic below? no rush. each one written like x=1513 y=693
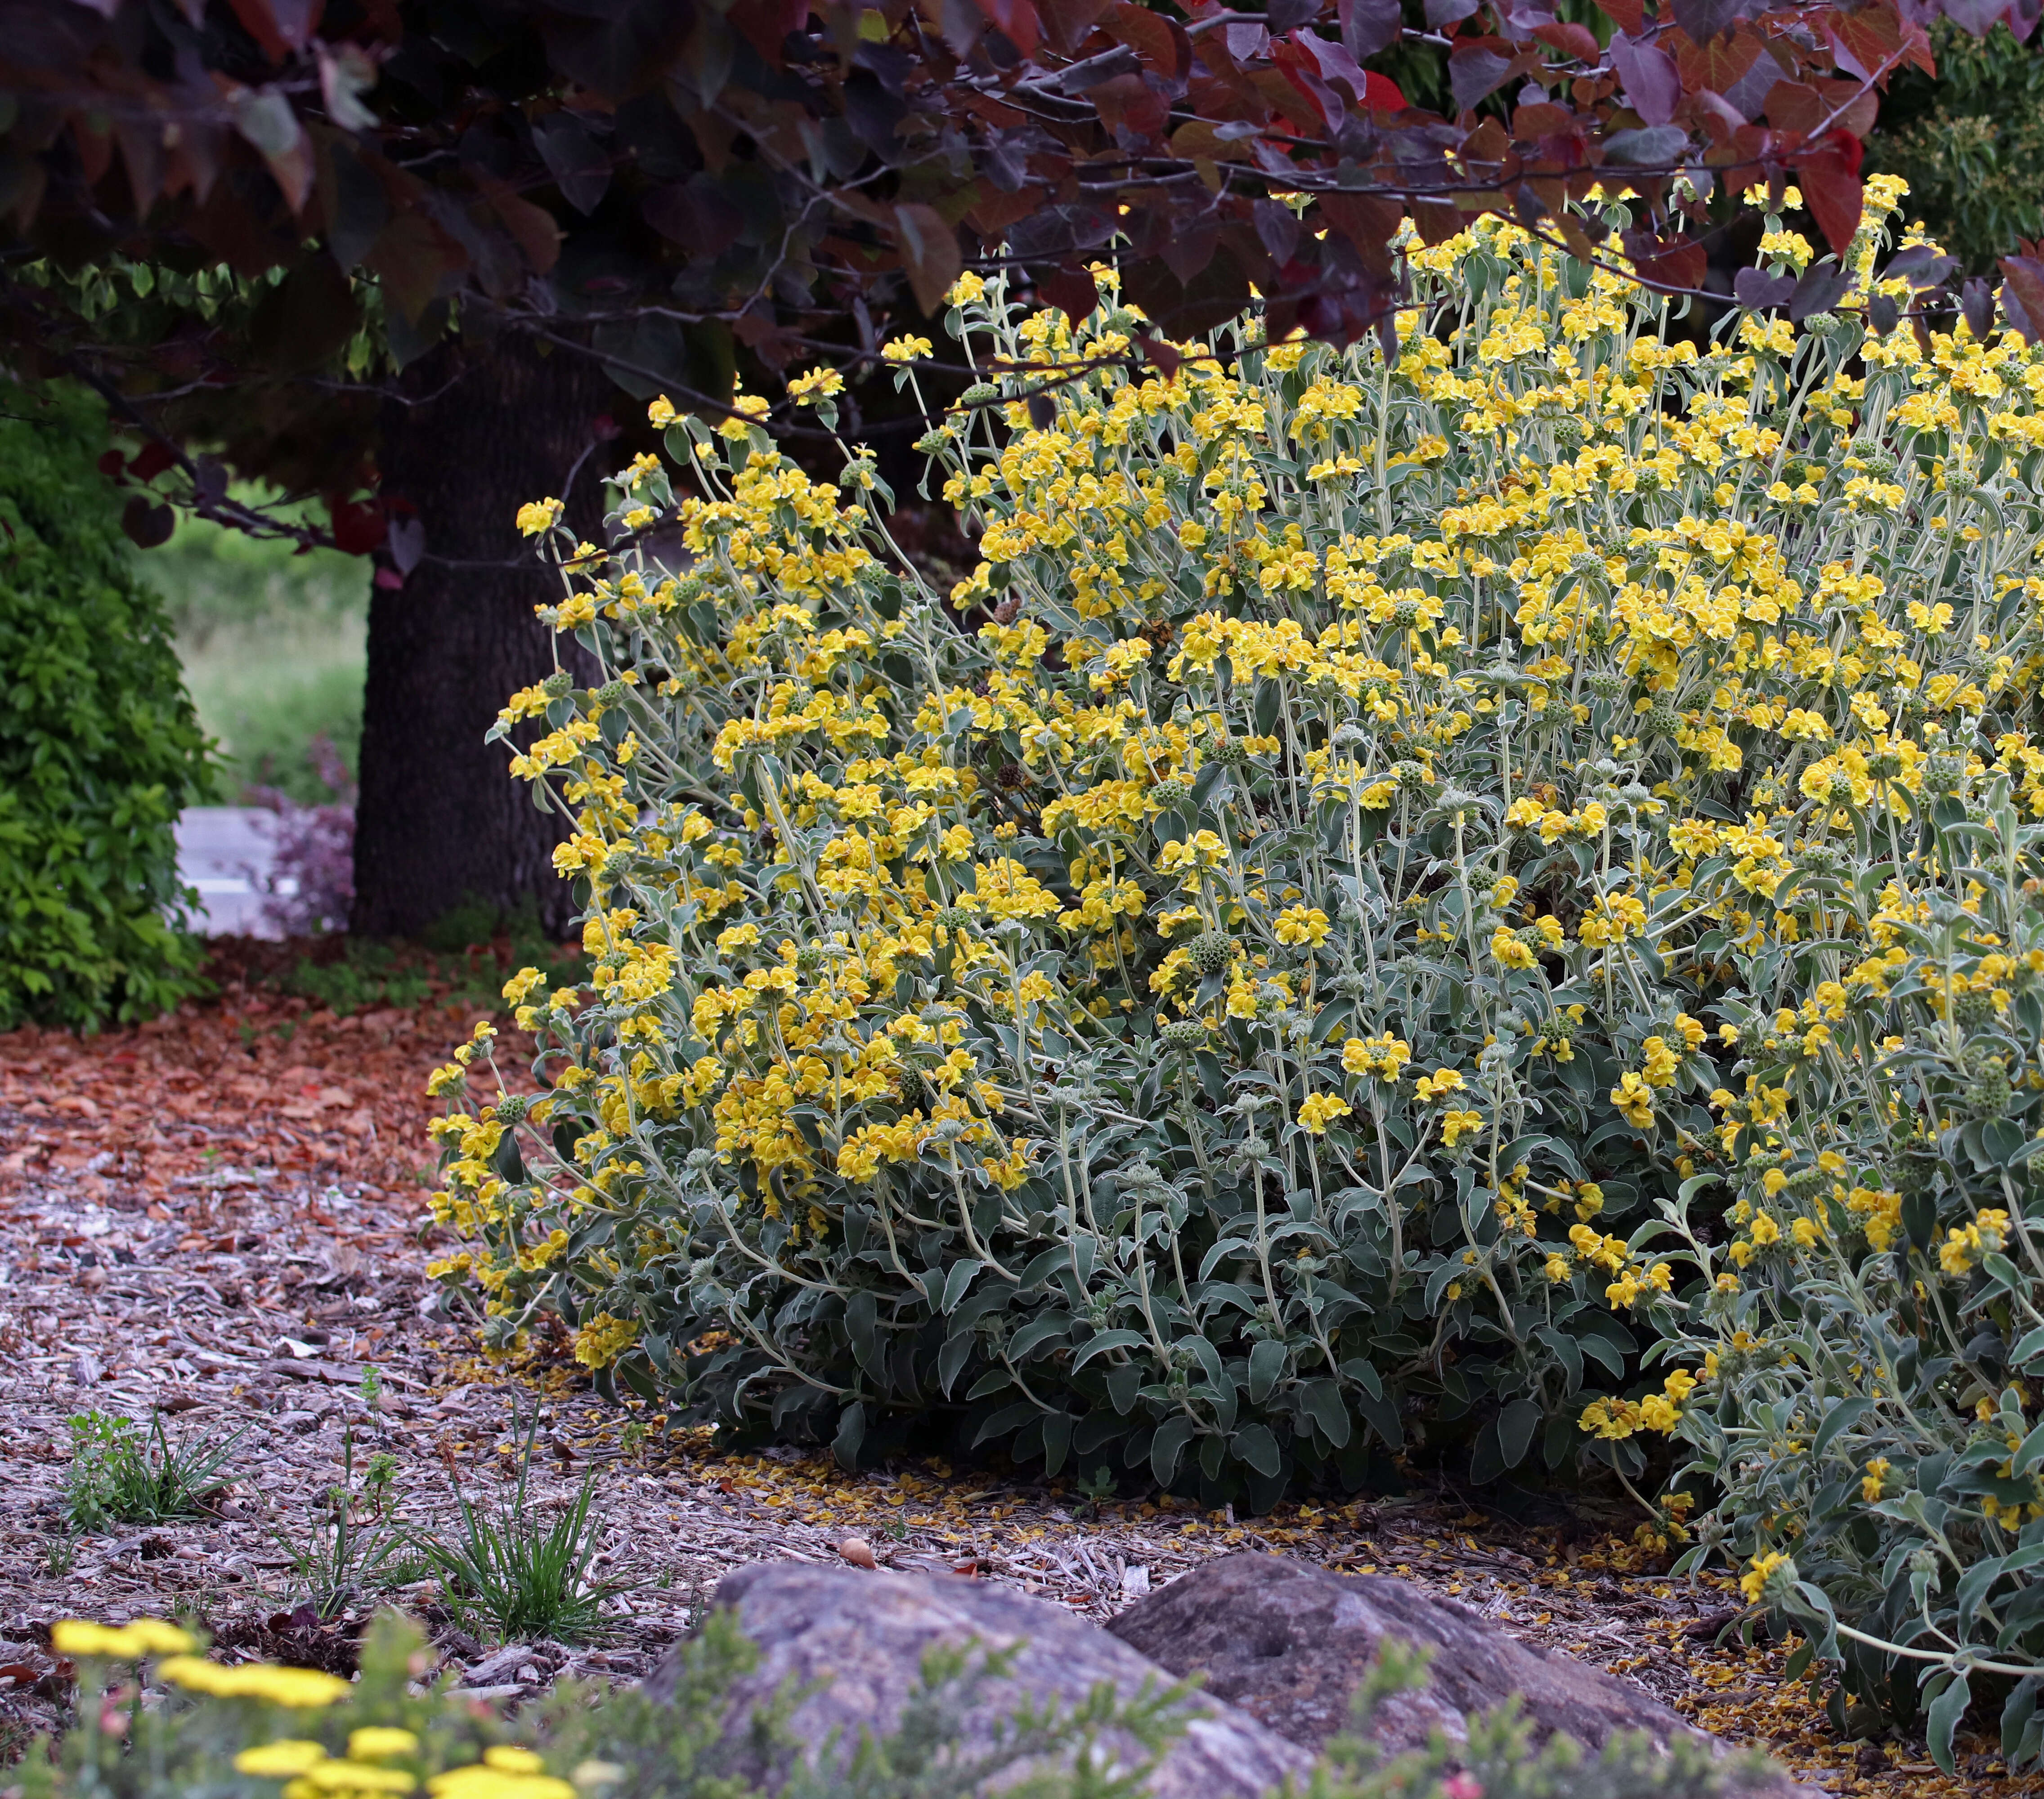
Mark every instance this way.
x=221 y=1217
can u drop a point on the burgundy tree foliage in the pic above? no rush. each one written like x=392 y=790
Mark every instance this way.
x=247 y=221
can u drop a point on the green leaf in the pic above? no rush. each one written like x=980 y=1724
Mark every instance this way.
x=1841 y=1418
x=1515 y=1425
x=1322 y=1402
x=1946 y=1709
x=1166 y=1447
x=957 y=1281
x=1266 y=1363
x=1101 y=1341
x=1255 y=1445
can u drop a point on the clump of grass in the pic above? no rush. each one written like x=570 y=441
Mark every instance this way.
x=120 y=1474
x=510 y=1574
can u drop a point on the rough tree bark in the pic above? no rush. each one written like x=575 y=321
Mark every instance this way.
x=482 y=424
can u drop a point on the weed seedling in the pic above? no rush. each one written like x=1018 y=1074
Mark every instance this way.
x=120 y=1476
x=376 y=1480
x=1095 y=1489
x=339 y=1557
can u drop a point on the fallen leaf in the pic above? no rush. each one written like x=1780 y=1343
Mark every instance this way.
x=857 y=1551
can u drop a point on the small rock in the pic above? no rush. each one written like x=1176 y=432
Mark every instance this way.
x=1289 y=1643
x=853 y=1648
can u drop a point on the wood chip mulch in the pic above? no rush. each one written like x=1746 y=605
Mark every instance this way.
x=220 y=1214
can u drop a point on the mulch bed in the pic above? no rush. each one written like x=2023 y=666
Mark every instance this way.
x=221 y=1215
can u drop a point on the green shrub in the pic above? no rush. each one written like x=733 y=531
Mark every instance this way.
x=98 y=749
x=1399 y=855
x=1969 y=141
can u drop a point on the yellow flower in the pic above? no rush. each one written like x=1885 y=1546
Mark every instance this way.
x=1761 y=1572
x=819 y=383
x=1320 y=1110
x=1634 y=1099
x=298 y=1689
x=908 y=349
x=355 y=1777
x=1872 y=1483
x=1456 y=1125
x=536 y=516
x=1509 y=951
x=282 y=1759
x=1438 y=1084
x=1301 y=924
x=377 y=1742
x=126 y=1643
x=602 y=1339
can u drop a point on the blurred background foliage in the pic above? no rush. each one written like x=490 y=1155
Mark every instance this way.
x=1971 y=142
x=272 y=643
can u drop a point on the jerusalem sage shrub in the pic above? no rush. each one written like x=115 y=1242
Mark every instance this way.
x=1262 y=976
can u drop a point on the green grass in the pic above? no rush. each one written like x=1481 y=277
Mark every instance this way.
x=273 y=647
x=121 y=1474
x=508 y=1574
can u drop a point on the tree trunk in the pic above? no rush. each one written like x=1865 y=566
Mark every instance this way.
x=482 y=425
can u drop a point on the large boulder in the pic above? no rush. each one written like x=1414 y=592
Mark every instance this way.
x=858 y=1641
x=1289 y=1643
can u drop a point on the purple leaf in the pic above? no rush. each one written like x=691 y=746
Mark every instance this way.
x=1919 y=265
x=1474 y=72
x=1653 y=85
x=407 y=541
x=1882 y=314
x=1823 y=285
x=1754 y=289
x=1977 y=302
x=1703 y=19
x=1367 y=26
x=1650 y=148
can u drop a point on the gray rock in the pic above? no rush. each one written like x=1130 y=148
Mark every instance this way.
x=861 y=1638
x=1289 y=1642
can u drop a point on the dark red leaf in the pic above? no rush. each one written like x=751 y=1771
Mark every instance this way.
x=1073 y=291
x=1160 y=42
x=1578 y=41
x=358 y=524
x=1830 y=186
x=152 y=459
x=1628 y=15
x=1714 y=63
x=148 y=526
x=1166 y=359
x=1016 y=21
x=2022 y=296
x=111 y=463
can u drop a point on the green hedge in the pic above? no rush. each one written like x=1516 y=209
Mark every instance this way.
x=99 y=749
